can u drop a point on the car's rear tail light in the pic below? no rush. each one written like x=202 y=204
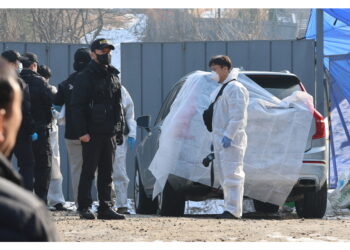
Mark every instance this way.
x=320 y=126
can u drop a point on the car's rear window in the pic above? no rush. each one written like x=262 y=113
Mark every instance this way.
x=279 y=86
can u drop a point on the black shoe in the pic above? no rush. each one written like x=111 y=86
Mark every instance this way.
x=109 y=214
x=226 y=215
x=60 y=207
x=87 y=214
x=123 y=210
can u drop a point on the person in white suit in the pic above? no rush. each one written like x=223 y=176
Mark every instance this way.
x=55 y=197
x=119 y=175
x=229 y=136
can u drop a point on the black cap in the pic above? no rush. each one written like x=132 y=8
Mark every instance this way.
x=12 y=56
x=30 y=57
x=101 y=44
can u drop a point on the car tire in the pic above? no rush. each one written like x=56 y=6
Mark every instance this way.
x=143 y=204
x=265 y=207
x=171 y=203
x=314 y=204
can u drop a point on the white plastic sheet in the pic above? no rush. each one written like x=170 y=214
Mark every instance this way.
x=340 y=197
x=277 y=135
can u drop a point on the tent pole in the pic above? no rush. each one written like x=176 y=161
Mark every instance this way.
x=319 y=97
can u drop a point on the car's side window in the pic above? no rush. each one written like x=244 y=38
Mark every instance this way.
x=168 y=102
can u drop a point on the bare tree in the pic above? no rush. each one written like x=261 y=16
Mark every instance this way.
x=57 y=25
x=171 y=25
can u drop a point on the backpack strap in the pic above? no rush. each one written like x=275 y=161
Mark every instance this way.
x=222 y=90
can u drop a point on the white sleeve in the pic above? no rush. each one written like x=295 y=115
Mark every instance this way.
x=128 y=106
x=237 y=103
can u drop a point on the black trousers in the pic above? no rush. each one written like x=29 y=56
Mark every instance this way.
x=98 y=154
x=25 y=161
x=43 y=163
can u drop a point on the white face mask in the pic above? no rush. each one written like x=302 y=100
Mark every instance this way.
x=20 y=67
x=214 y=76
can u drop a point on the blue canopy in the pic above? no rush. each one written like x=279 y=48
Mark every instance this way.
x=337 y=62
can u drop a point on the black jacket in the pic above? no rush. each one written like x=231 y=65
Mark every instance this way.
x=41 y=98
x=23 y=217
x=96 y=101
x=27 y=126
x=63 y=97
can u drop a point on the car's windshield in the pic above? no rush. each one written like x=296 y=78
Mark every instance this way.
x=280 y=86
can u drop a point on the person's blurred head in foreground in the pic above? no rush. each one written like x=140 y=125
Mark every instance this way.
x=10 y=107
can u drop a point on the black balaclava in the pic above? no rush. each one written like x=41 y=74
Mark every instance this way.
x=81 y=59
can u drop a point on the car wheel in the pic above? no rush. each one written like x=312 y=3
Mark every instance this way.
x=143 y=204
x=265 y=207
x=314 y=204
x=170 y=203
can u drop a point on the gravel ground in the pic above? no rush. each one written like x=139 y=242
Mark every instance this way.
x=253 y=227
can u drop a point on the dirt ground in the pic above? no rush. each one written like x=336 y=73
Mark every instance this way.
x=253 y=227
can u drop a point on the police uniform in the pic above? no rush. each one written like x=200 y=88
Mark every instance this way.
x=96 y=104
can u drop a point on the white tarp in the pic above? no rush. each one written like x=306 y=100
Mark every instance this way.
x=277 y=135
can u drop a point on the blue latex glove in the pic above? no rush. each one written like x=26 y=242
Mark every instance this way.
x=34 y=136
x=131 y=143
x=226 y=142
x=57 y=108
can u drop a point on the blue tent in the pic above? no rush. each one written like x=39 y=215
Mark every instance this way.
x=337 y=63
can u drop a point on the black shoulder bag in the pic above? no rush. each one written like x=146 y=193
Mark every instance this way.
x=208 y=113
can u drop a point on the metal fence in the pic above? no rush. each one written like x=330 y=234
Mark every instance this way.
x=150 y=69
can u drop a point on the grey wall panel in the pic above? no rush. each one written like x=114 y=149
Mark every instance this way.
x=281 y=54
x=20 y=47
x=239 y=54
x=2 y=45
x=304 y=63
x=152 y=79
x=259 y=55
x=131 y=73
x=173 y=65
x=131 y=79
x=58 y=59
x=41 y=50
x=195 y=56
x=213 y=49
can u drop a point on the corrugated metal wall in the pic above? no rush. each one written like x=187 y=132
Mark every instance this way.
x=150 y=69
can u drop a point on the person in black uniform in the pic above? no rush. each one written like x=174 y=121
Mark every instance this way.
x=23 y=217
x=98 y=118
x=63 y=97
x=23 y=149
x=41 y=97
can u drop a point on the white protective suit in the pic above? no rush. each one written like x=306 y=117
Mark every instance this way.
x=55 y=193
x=277 y=132
x=230 y=120
x=119 y=175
